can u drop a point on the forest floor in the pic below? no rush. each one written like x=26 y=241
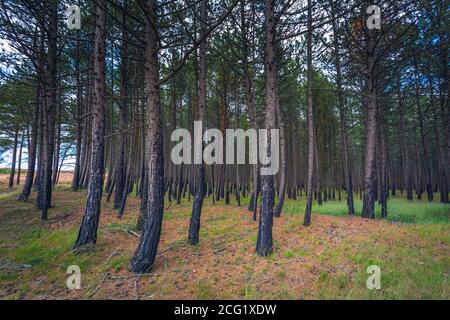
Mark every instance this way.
x=327 y=260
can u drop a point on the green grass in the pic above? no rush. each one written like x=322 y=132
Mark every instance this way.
x=407 y=271
x=413 y=257
x=8 y=171
x=399 y=209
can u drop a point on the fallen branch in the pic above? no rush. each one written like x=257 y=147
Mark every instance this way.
x=99 y=285
x=133 y=276
x=8 y=265
x=129 y=231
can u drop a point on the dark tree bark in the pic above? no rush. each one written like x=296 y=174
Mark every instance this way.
x=120 y=171
x=88 y=229
x=49 y=111
x=310 y=120
x=264 y=241
x=79 y=120
x=194 y=224
x=145 y=255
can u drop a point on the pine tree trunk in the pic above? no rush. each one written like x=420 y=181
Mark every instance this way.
x=310 y=120
x=194 y=224
x=342 y=119
x=368 y=210
x=88 y=229
x=79 y=121
x=49 y=111
x=264 y=240
x=145 y=255
x=120 y=171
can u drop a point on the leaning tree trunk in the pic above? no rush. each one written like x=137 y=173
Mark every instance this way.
x=264 y=240
x=194 y=224
x=88 y=229
x=145 y=255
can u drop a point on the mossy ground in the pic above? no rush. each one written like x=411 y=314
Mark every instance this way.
x=327 y=260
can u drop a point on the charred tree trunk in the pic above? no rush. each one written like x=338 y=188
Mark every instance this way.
x=50 y=108
x=88 y=229
x=264 y=240
x=145 y=255
x=194 y=224
x=120 y=177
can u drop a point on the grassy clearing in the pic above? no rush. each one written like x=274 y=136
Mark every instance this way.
x=328 y=260
x=399 y=210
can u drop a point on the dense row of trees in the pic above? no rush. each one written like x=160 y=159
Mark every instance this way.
x=362 y=112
